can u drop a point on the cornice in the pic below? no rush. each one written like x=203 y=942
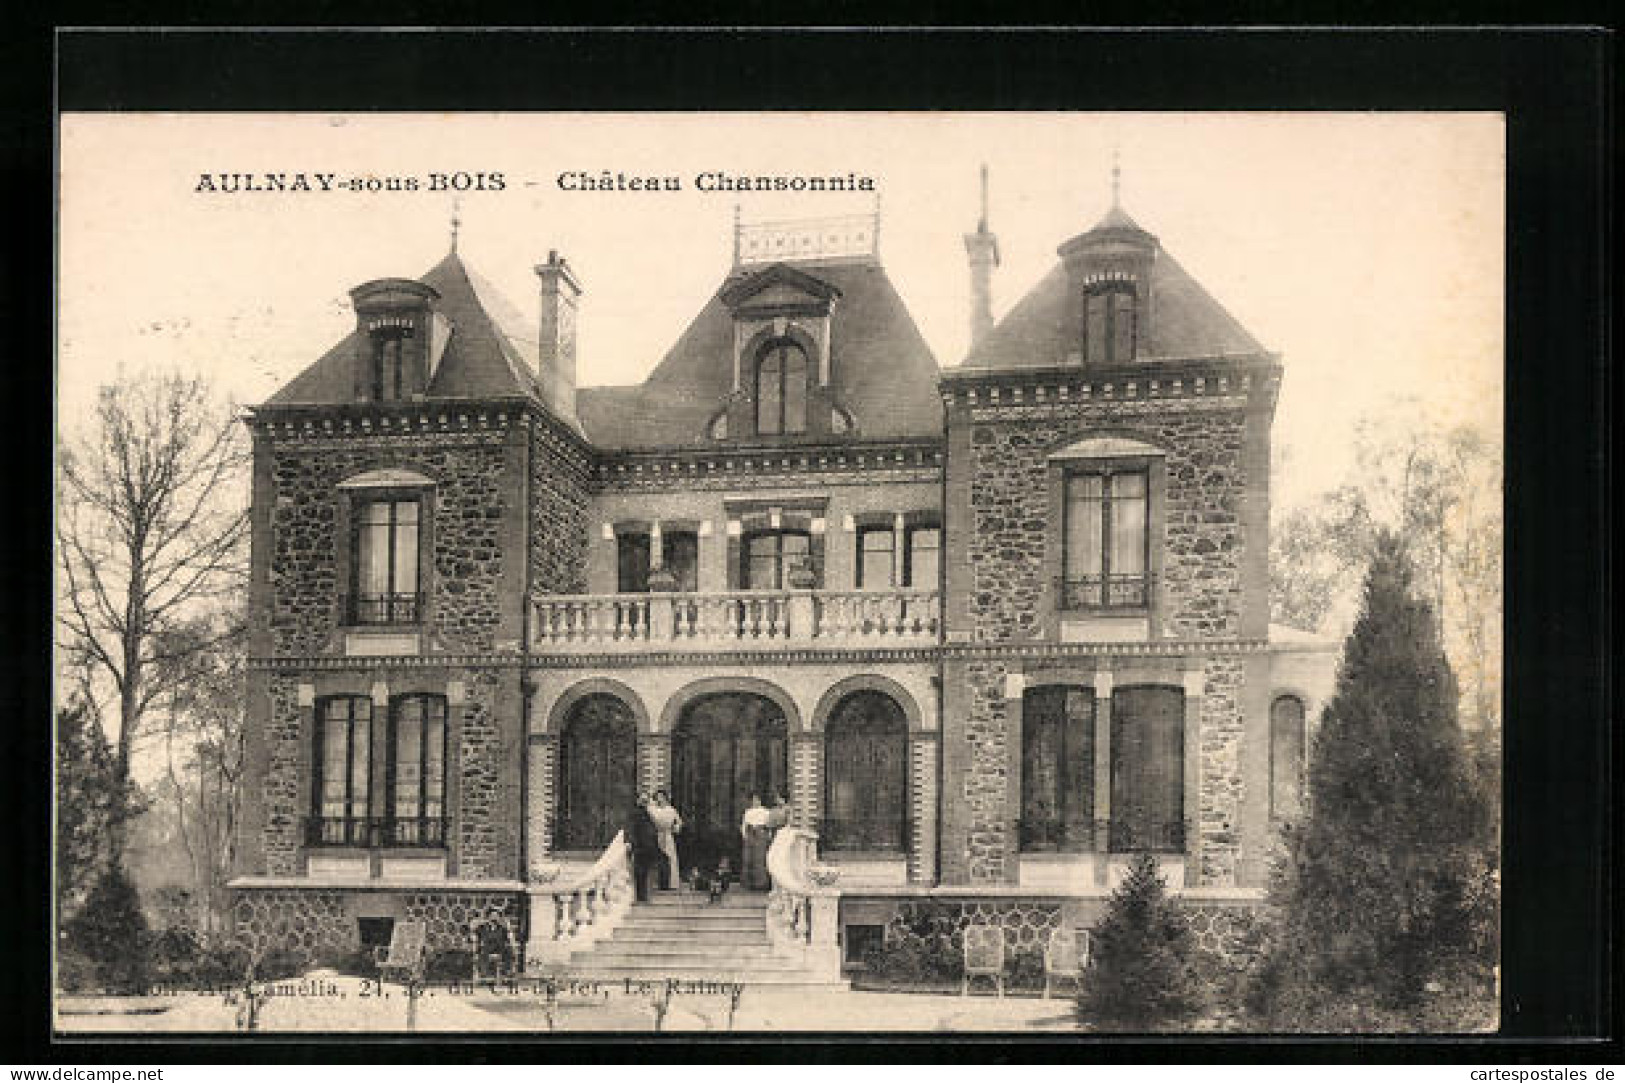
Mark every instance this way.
x=724 y=467
x=340 y=662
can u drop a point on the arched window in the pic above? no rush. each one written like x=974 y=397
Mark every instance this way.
x=1057 y=768
x=1286 y=757
x=417 y=771
x=597 y=772
x=781 y=388
x=342 y=787
x=866 y=774
x=1110 y=322
x=1148 y=769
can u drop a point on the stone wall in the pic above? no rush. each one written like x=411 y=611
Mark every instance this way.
x=560 y=502
x=1219 y=819
x=309 y=535
x=321 y=924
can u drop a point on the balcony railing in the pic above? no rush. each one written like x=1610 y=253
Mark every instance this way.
x=386 y=609
x=368 y=831
x=886 y=834
x=734 y=619
x=1106 y=592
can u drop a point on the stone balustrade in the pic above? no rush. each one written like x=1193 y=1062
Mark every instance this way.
x=764 y=619
x=803 y=903
x=572 y=916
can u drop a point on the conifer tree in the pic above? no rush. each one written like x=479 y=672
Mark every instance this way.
x=1142 y=972
x=1372 y=897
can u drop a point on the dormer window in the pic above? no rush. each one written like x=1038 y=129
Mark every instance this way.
x=781 y=388
x=388 y=371
x=1110 y=322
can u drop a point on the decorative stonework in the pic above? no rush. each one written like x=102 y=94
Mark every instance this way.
x=1026 y=924
x=543 y=767
x=449 y=915
x=922 y=855
x=806 y=781
x=310 y=923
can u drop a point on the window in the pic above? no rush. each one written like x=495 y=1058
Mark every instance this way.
x=680 y=552
x=417 y=771
x=632 y=563
x=343 y=762
x=1109 y=322
x=1286 y=757
x=1057 y=768
x=922 y=557
x=387 y=374
x=866 y=775
x=386 y=563
x=1148 y=769
x=770 y=556
x=1105 y=538
x=781 y=388
x=597 y=772
x=876 y=557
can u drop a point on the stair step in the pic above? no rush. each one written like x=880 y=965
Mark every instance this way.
x=643 y=935
x=607 y=955
x=647 y=970
x=775 y=978
x=694 y=898
x=692 y=921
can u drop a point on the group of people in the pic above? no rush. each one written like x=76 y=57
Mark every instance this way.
x=655 y=825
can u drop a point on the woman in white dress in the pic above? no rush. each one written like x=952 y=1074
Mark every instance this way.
x=667 y=823
x=754 y=827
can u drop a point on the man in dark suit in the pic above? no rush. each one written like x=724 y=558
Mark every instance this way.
x=645 y=840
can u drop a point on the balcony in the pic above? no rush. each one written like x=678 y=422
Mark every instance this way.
x=735 y=620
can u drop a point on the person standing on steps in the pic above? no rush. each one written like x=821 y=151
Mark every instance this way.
x=667 y=822
x=754 y=827
x=645 y=843
x=778 y=814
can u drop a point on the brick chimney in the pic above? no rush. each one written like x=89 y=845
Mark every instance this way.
x=556 y=349
x=982 y=251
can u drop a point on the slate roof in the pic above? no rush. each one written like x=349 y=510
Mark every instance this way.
x=881 y=369
x=1186 y=321
x=489 y=355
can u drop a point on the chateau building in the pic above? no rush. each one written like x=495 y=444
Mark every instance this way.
x=988 y=630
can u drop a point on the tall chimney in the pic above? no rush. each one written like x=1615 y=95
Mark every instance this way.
x=982 y=251
x=556 y=350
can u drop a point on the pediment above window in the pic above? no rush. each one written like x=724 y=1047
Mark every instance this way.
x=1107 y=447
x=387 y=478
x=779 y=289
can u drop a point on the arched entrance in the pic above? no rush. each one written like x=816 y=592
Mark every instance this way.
x=598 y=766
x=725 y=747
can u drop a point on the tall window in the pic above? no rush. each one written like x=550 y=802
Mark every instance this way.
x=877 y=559
x=1286 y=757
x=343 y=772
x=680 y=552
x=417 y=771
x=1105 y=541
x=632 y=563
x=1148 y=769
x=1057 y=768
x=1109 y=322
x=922 y=557
x=866 y=774
x=388 y=373
x=781 y=388
x=770 y=556
x=386 y=562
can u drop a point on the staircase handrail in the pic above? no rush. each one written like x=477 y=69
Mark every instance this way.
x=571 y=916
x=802 y=900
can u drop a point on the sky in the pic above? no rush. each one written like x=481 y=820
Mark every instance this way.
x=1364 y=248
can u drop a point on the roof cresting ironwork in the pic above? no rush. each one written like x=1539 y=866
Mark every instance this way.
x=806 y=238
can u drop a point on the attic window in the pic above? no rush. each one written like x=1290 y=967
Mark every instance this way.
x=387 y=371
x=1110 y=322
x=781 y=388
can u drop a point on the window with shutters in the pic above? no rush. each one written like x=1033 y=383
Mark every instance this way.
x=1110 y=322
x=1148 y=769
x=597 y=772
x=342 y=786
x=866 y=774
x=1057 y=768
x=1286 y=757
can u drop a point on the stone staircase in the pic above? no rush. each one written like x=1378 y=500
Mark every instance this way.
x=679 y=935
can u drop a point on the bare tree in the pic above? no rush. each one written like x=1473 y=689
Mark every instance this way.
x=151 y=520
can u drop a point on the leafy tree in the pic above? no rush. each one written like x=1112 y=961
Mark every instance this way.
x=1143 y=972
x=151 y=520
x=1376 y=895
x=111 y=931
x=92 y=802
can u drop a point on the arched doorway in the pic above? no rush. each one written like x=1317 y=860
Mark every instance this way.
x=725 y=747
x=598 y=766
x=866 y=774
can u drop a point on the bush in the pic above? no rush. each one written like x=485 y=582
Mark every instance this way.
x=358 y=962
x=452 y=964
x=280 y=964
x=175 y=956
x=1143 y=974
x=1024 y=970
x=221 y=967
x=75 y=972
x=915 y=962
x=111 y=931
